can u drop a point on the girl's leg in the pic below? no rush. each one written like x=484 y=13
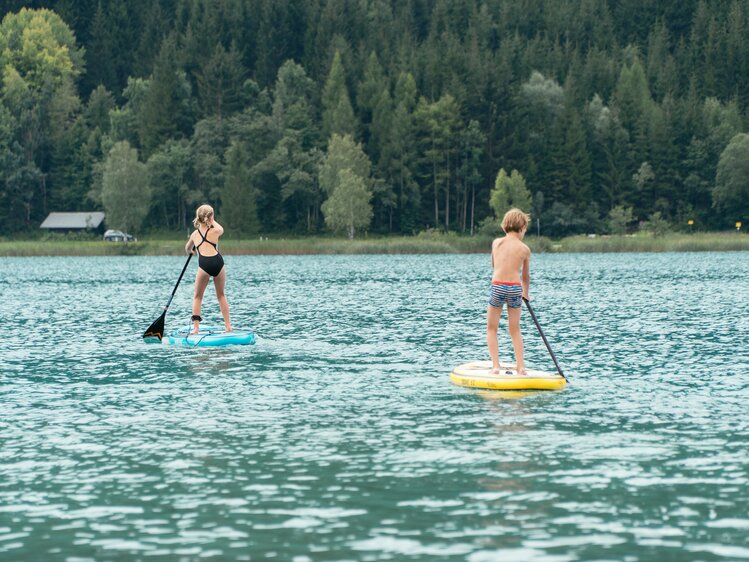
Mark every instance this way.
x=201 y=282
x=219 y=282
x=492 y=321
x=513 y=315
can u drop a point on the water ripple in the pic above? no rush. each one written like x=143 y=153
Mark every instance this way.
x=339 y=437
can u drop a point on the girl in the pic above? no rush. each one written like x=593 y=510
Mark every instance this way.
x=204 y=241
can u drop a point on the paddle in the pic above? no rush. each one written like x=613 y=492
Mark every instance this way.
x=543 y=337
x=156 y=330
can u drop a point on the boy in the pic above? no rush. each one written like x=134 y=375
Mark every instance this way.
x=509 y=255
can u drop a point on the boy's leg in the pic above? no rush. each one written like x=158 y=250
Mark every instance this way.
x=513 y=317
x=492 y=321
x=201 y=282
x=219 y=282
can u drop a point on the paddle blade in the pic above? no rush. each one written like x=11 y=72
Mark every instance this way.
x=156 y=330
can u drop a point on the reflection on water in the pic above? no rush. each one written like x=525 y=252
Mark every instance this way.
x=338 y=436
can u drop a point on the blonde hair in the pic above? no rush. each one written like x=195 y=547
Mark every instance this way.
x=515 y=220
x=203 y=215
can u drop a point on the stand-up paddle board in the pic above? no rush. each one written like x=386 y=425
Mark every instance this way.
x=477 y=374
x=210 y=337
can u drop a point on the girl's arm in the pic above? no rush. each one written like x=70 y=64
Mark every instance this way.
x=219 y=229
x=190 y=246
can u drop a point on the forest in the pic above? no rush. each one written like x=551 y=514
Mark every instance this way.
x=379 y=116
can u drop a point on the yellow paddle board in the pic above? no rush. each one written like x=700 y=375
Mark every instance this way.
x=477 y=374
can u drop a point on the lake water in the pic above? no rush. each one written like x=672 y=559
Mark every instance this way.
x=339 y=435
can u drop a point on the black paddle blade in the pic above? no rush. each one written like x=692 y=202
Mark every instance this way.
x=155 y=331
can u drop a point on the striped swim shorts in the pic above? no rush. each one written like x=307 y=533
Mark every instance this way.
x=501 y=293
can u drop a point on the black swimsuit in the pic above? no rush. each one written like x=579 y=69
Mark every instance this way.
x=212 y=265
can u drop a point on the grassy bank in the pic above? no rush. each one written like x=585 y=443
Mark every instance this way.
x=700 y=242
x=429 y=243
x=298 y=246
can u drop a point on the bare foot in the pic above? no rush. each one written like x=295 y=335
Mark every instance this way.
x=522 y=372
x=494 y=371
x=228 y=329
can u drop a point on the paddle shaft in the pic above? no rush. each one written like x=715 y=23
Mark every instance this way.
x=181 y=275
x=543 y=337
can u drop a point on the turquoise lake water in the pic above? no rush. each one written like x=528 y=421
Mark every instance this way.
x=339 y=435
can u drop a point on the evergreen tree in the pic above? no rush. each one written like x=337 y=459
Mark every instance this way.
x=337 y=113
x=632 y=95
x=99 y=53
x=472 y=149
x=220 y=82
x=155 y=29
x=436 y=124
x=577 y=168
x=208 y=147
x=402 y=154
x=369 y=93
x=166 y=107
x=380 y=149
x=238 y=198
x=170 y=177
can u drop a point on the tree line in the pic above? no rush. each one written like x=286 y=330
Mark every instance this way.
x=391 y=116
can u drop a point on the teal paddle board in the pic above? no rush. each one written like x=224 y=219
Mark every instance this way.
x=210 y=336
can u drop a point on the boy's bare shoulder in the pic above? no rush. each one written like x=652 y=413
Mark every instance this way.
x=526 y=249
x=498 y=241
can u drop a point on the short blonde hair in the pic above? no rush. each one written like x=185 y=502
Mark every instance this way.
x=203 y=215
x=515 y=220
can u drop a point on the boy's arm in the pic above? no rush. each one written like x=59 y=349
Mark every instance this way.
x=495 y=245
x=526 y=277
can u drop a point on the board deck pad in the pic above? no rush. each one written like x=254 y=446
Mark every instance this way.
x=477 y=374
x=209 y=336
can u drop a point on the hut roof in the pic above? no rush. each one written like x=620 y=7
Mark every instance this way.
x=73 y=220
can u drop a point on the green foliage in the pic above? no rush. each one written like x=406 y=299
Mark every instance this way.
x=239 y=198
x=343 y=153
x=657 y=225
x=338 y=115
x=490 y=227
x=543 y=95
x=169 y=172
x=578 y=95
x=39 y=62
x=220 y=80
x=731 y=192
x=40 y=47
x=125 y=193
x=509 y=191
x=436 y=125
x=348 y=207
x=166 y=105
x=620 y=217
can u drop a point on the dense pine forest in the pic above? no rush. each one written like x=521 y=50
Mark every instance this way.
x=385 y=116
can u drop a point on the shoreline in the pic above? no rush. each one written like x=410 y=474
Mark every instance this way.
x=420 y=244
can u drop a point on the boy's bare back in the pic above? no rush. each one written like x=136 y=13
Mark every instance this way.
x=509 y=256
